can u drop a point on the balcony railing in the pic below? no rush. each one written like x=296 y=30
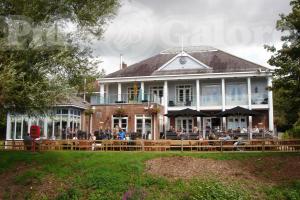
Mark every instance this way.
x=188 y=101
x=257 y=99
x=125 y=98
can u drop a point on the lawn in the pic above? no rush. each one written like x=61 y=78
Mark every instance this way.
x=128 y=175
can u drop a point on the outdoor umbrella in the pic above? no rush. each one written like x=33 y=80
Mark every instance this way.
x=186 y=113
x=237 y=111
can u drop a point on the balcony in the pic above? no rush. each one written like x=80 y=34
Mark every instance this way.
x=259 y=98
x=125 y=98
x=182 y=102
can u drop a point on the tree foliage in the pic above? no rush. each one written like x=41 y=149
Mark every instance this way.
x=286 y=84
x=35 y=76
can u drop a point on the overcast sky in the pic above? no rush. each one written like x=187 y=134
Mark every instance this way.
x=143 y=28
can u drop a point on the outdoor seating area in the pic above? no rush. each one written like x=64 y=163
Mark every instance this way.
x=156 y=145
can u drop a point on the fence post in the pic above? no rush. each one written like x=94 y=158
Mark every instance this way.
x=143 y=147
x=181 y=144
x=221 y=146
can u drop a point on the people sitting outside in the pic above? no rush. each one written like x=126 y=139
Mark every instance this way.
x=244 y=130
x=75 y=137
x=27 y=142
x=238 y=130
x=195 y=130
x=237 y=143
x=122 y=135
x=225 y=138
x=255 y=129
x=200 y=137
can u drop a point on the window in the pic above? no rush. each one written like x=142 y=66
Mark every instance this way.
x=183 y=94
x=120 y=122
x=143 y=126
x=259 y=91
x=211 y=95
x=156 y=94
x=236 y=94
x=133 y=93
x=237 y=122
x=184 y=124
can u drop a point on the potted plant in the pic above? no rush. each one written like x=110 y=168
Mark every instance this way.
x=119 y=112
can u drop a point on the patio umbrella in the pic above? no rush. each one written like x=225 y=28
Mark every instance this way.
x=237 y=111
x=186 y=113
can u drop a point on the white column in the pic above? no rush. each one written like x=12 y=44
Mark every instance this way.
x=119 y=92
x=91 y=123
x=223 y=101
x=68 y=120
x=106 y=93
x=166 y=92
x=53 y=127
x=29 y=125
x=8 y=126
x=249 y=103
x=46 y=126
x=198 y=102
x=270 y=97
x=142 y=91
x=102 y=100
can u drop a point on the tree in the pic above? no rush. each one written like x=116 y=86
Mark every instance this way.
x=286 y=84
x=40 y=64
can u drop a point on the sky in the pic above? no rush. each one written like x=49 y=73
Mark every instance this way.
x=143 y=28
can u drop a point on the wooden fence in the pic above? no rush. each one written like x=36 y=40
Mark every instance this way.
x=156 y=145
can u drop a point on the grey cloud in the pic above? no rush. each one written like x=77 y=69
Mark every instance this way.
x=145 y=27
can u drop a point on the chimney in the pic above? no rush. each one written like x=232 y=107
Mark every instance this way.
x=124 y=65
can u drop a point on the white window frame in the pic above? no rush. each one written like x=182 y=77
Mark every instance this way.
x=181 y=123
x=156 y=88
x=208 y=86
x=186 y=87
x=143 y=117
x=120 y=122
x=130 y=91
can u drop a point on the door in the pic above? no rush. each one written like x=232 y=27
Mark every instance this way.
x=120 y=122
x=184 y=124
x=156 y=94
x=184 y=95
x=143 y=126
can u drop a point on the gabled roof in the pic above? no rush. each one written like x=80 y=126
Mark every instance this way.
x=218 y=61
x=73 y=101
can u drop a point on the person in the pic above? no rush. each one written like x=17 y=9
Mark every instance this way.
x=122 y=135
x=28 y=142
x=227 y=137
x=237 y=143
x=207 y=129
x=244 y=130
x=200 y=137
x=92 y=138
x=75 y=137
x=255 y=130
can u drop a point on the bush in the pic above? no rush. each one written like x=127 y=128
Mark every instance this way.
x=294 y=132
x=211 y=190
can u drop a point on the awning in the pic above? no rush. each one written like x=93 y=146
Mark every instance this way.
x=186 y=113
x=237 y=111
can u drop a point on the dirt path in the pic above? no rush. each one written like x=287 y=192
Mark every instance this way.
x=271 y=170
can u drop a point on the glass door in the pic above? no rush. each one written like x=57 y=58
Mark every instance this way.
x=184 y=95
x=184 y=124
x=156 y=94
x=120 y=122
x=144 y=126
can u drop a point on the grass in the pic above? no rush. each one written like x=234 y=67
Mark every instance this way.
x=113 y=175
